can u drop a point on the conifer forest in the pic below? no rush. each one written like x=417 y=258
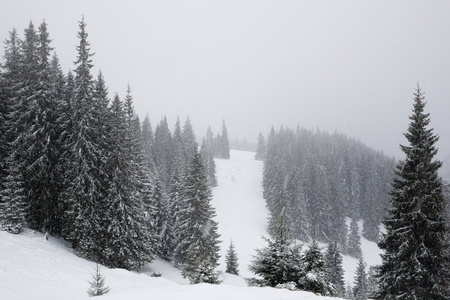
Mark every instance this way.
x=77 y=163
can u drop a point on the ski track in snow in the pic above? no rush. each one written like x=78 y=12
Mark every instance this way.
x=33 y=268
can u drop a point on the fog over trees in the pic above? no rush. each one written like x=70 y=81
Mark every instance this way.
x=79 y=165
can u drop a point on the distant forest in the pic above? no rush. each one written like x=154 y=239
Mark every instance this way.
x=316 y=180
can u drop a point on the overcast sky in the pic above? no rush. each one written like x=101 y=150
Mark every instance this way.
x=350 y=66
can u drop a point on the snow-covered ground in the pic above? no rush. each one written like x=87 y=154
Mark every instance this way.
x=32 y=267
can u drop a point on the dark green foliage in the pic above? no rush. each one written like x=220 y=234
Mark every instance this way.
x=179 y=209
x=199 y=266
x=97 y=285
x=372 y=283
x=77 y=166
x=128 y=241
x=162 y=152
x=231 y=261
x=86 y=180
x=315 y=273
x=277 y=263
x=200 y=237
x=162 y=220
x=189 y=145
x=335 y=271
x=415 y=259
x=31 y=126
x=354 y=240
x=13 y=204
x=360 y=283
x=280 y=261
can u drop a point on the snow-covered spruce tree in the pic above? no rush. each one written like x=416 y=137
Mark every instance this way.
x=354 y=240
x=9 y=86
x=231 y=261
x=371 y=210
x=280 y=261
x=223 y=144
x=314 y=277
x=163 y=151
x=4 y=145
x=5 y=101
x=349 y=292
x=178 y=159
x=207 y=154
x=414 y=264
x=147 y=142
x=180 y=211
x=299 y=216
x=319 y=205
x=127 y=244
x=86 y=180
x=296 y=203
x=360 y=283
x=33 y=128
x=261 y=148
x=161 y=219
x=372 y=284
x=338 y=226
x=335 y=271
x=201 y=237
x=188 y=141
x=13 y=204
x=97 y=285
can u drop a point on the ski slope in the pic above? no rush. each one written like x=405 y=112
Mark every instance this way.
x=32 y=267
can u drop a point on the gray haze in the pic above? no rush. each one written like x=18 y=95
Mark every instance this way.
x=350 y=66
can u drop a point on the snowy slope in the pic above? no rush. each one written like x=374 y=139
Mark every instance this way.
x=241 y=210
x=33 y=268
x=242 y=213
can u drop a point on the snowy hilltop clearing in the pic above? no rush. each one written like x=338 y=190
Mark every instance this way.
x=32 y=267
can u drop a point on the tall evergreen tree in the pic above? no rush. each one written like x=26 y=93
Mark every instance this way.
x=261 y=148
x=127 y=243
x=161 y=219
x=201 y=239
x=335 y=271
x=34 y=114
x=354 y=240
x=414 y=263
x=223 y=144
x=13 y=204
x=180 y=211
x=147 y=142
x=189 y=144
x=208 y=161
x=179 y=159
x=372 y=285
x=360 y=284
x=9 y=87
x=163 y=151
x=86 y=181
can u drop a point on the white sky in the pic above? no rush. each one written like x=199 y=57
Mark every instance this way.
x=350 y=66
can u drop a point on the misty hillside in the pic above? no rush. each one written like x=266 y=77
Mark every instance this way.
x=323 y=179
x=33 y=267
